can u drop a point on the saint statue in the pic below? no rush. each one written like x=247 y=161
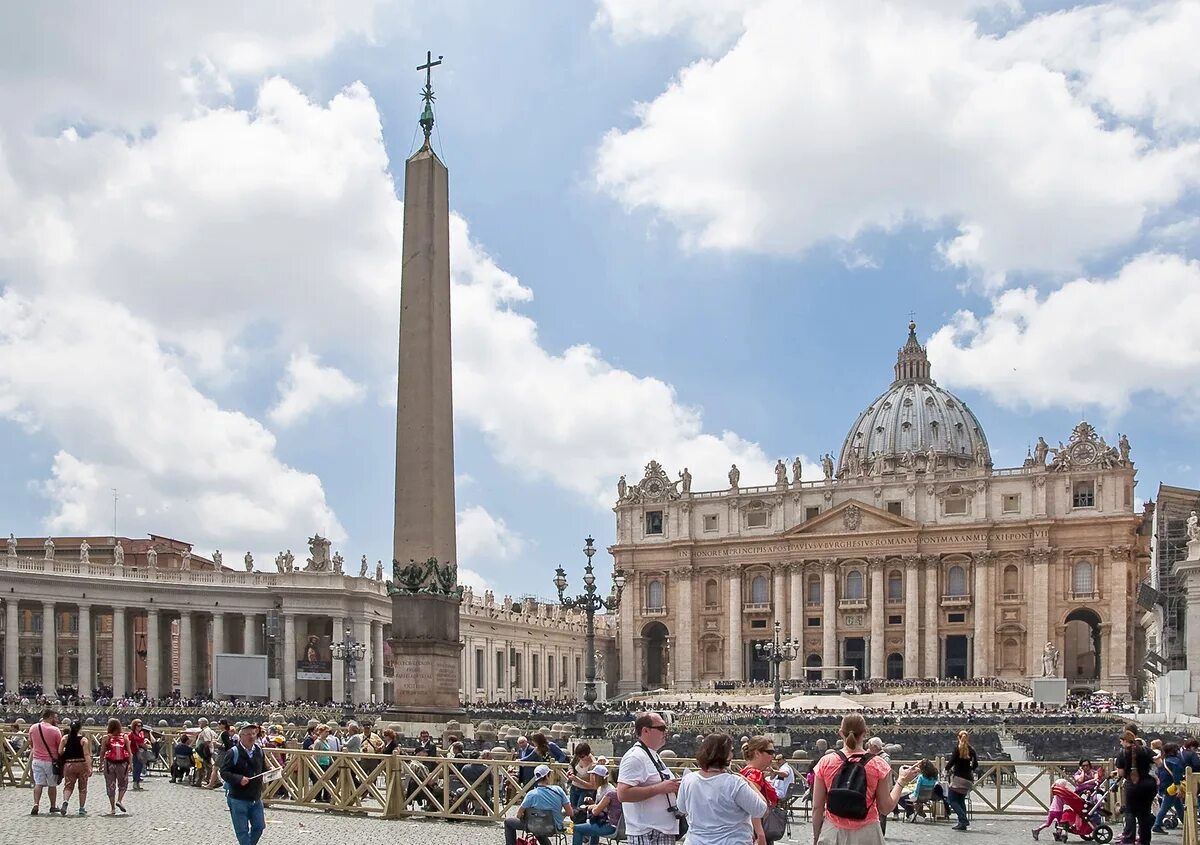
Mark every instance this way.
x=1049 y=661
x=278 y=562
x=152 y=558
x=118 y=555
x=780 y=473
x=289 y=561
x=362 y=567
x=685 y=482
x=12 y=546
x=877 y=463
x=827 y=466
x=218 y=560
x=735 y=476
x=379 y=570
x=622 y=488
x=1040 y=451
x=796 y=470
x=185 y=561
x=49 y=548
x=84 y=549
x=1193 y=528
x=931 y=459
x=248 y=560
x=981 y=456
x=338 y=562
x=1123 y=450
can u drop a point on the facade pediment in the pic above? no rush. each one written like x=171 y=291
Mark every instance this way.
x=853 y=516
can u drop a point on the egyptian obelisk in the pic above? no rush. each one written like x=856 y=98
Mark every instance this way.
x=424 y=589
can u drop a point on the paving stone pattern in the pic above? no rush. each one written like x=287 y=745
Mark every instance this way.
x=169 y=813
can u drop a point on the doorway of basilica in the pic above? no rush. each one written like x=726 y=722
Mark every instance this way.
x=1082 y=645
x=655 y=635
x=854 y=653
x=957 y=656
x=760 y=668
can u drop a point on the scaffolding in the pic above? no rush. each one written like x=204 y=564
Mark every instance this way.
x=1168 y=547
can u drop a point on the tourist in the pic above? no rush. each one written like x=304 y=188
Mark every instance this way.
x=353 y=743
x=926 y=780
x=603 y=812
x=759 y=753
x=242 y=772
x=181 y=759
x=961 y=767
x=1170 y=783
x=324 y=759
x=114 y=756
x=1056 y=806
x=391 y=742
x=547 y=749
x=647 y=787
x=1134 y=764
x=44 y=740
x=206 y=740
x=721 y=807
x=527 y=752
x=583 y=785
x=140 y=746
x=1087 y=777
x=372 y=741
x=782 y=776
x=875 y=746
x=847 y=803
x=425 y=747
x=224 y=742
x=542 y=796
x=76 y=755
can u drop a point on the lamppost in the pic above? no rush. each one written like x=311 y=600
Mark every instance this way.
x=349 y=652
x=591 y=717
x=776 y=653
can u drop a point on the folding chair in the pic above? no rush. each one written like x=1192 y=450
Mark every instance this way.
x=541 y=823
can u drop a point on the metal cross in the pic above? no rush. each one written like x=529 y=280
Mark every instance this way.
x=428 y=67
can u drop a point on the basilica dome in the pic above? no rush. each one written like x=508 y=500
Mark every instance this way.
x=915 y=426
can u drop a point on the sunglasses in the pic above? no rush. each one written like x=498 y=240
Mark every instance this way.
x=770 y=751
x=662 y=728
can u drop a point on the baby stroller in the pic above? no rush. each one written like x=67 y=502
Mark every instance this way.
x=1083 y=815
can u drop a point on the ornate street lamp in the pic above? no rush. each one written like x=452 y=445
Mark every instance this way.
x=777 y=652
x=349 y=652
x=591 y=717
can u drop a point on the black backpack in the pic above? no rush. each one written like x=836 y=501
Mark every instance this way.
x=848 y=793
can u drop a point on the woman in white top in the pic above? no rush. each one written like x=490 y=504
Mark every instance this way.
x=719 y=804
x=583 y=785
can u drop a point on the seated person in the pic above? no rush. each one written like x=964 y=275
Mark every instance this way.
x=542 y=796
x=927 y=781
x=603 y=814
x=1087 y=776
x=181 y=761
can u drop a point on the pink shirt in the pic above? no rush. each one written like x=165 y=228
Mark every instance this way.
x=877 y=769
x=48 y=749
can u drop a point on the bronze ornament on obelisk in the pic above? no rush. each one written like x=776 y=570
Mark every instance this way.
x=424 y=584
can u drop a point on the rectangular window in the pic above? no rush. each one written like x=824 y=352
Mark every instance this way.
x=812 y=512
x=896 y=507
x=578 y=669
x=758 y=623
x=956 y=617
x=480 y=668
x=533 y=664
x=710 y=522
x=814 y=621
x=1085 y=495
x=654 y=522
x=956 y=506
x=564 y=671
x=37 y=623
x=516 y=676
x=550 y=671
x=1011 y=502
x=756 y=519
x=895 y=620
x=501 y=674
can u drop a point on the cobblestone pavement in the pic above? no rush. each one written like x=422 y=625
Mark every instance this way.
x=167 y=813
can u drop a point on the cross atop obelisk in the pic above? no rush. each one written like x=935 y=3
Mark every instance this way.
x=427 y=93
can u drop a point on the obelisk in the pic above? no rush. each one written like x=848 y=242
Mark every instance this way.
x=424 y=585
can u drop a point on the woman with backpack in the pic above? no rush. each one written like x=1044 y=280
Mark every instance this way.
x=76 y=755
x=1170 y=774
x=961 y=767
x=114 y=756
x=851 y=790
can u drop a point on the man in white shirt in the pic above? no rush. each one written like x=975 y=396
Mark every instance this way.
x=647 y=787
x=783 y=776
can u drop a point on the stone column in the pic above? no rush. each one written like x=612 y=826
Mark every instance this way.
x=1118 y=649
x=733 y=646
x=795 y=668
x=878 y=602
x=684 y=639
x=1037 y=598
x=249 y=624
x=120 y=657
x=12 y=641
x=829 y=655
x=218 y=647
x=339 y=670
x=932 y=611
x=289 y=657
x=377 y=662
x=362 y=687
x=87 y=666
x=982 y=605
x=779 y=596
x=49 y=654
x=187 y=654
x=912 y=616
x=153 y=654
x=629 y=679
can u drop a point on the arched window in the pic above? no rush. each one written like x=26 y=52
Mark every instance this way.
x=1083 y=578
x=1010 y=581
x=956 y=581
x=814 y=589
x=759 y=590
x=712 y=593
x=854 y=584
x=654 y=595
x=895 y=666
x=895 y=587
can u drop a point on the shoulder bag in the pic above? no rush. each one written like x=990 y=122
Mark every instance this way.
x=666 y=775
x=56 y=760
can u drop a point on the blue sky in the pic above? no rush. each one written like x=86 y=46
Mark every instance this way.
x=691 y=232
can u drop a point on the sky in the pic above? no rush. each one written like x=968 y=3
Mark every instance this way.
x=684 y=230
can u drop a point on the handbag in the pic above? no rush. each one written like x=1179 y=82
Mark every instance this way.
x=961 y=784
x=775 y=824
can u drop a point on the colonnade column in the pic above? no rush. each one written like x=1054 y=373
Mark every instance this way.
x=1118 y=642
x=12 y=642
x=120 y=659
x=878 y=600
x=932 y=602
x=629 y=678
x=683 y=670
x=779 y=597
x=362 y=687
x=289 y=657
x=249 y=623
x=153 y=654
x=1037 y=599
x=982 y=606
x=49 y=655
x=733 y=647
x=339 y=670
x=796 y=608
x=218 y=647
x=187 y=648
x=87 y=666
x=377 y=648
x=829 y=613
x=912 y=617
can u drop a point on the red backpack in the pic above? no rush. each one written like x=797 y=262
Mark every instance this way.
x=117 y=750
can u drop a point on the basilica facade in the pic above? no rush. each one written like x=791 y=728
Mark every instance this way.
x=912 y=557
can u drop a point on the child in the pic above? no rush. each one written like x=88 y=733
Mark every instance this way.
x=1056 y=807
x=181 y=760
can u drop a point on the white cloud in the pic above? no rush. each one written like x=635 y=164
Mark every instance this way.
x=483 y=537
x=1093 y=342
x=708 y=22
x=471 y=578
x=95 y=378
x=851 y=116
x=308 y=387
